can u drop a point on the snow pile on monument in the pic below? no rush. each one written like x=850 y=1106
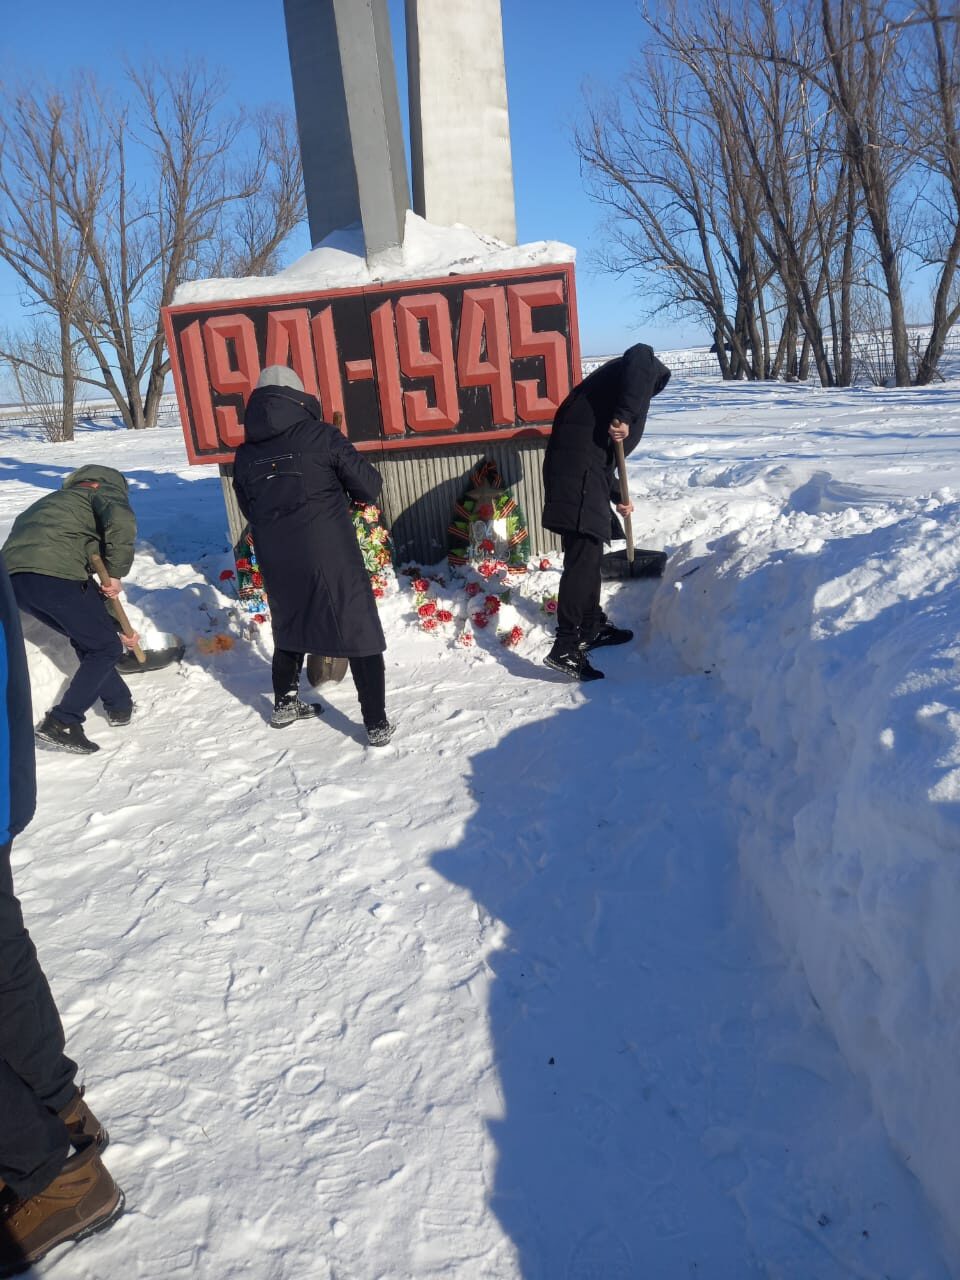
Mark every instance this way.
x=339 y=262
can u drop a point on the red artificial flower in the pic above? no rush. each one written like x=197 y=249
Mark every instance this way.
x=480 y=619
x=227 y=575
x=427 y=610
x=485 y=510
x=487 y=546
x=259 y=617
x=545 y=564
x=492 y=603
x=487 y=568
x=514 y=637
x=378 y=593
x=243 y=565
x=466 y=639
x=473 y=588
x=429 y=624
x=257 y=579
x=444 y=615
x=420 y=584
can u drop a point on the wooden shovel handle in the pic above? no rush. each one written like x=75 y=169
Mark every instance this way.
x=624 y=495
x=116 y=608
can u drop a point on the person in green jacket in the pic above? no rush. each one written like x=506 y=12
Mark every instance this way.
x=48 y=558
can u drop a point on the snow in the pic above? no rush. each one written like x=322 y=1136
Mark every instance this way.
x=657 y=977
x=338 y=262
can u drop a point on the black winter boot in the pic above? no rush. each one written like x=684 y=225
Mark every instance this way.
x=606 y=634
x=570 y=660
x=118 y=716
x=378 y=735
x=64 y=737
x=289 y=709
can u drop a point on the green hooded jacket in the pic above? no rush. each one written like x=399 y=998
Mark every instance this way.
x=57 y=534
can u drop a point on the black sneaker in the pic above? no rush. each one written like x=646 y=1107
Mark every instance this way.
x=378 y=735
x=65 y=737
x=290 y=709
x=119 y=715
x=607 y=634
x=573 y=663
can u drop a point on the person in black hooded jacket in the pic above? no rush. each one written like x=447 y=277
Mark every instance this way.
x=579 y=487
x=295 y=476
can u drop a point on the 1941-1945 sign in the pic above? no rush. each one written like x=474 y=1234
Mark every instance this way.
x=408 y=364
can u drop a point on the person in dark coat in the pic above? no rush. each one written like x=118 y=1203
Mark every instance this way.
x=48 y=558
x=53 y=1184
x=579 y=487
x=295 y=476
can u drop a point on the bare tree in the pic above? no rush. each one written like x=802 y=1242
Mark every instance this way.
x=932 y=134
x=658 y=160
x=45 y=246
x=35 y=358
x=167 y=186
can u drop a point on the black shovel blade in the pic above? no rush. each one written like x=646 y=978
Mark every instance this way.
x=645 y=564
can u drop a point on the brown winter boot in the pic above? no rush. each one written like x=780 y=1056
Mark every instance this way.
x=81 y=1199
x=81 y=1122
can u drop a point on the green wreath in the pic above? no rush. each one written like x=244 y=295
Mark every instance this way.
x=488 y=524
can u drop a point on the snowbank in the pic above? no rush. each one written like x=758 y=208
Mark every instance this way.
x=833 y=618
x=339 y=262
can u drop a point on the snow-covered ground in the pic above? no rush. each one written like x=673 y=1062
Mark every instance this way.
x=651 y=979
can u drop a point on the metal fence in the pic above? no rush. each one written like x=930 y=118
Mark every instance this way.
x=87 y=412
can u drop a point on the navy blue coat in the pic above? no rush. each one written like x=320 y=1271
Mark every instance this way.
x=578 y=467
x=294 y=478
x=18 y=779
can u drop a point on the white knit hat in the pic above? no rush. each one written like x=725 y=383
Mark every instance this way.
x=278 y=375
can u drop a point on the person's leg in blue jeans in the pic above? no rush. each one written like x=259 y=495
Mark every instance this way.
x=77 y=611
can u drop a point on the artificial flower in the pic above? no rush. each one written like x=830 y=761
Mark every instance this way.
x=428 y=609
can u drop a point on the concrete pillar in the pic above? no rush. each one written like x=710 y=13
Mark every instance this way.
x=459 y=122
x=348 y=116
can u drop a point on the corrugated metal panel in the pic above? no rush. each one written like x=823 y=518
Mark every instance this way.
x=420 y=487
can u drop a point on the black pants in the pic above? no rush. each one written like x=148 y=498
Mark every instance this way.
x=77 y=611
x=578 y=600
x=36 y=1077
x=369 y=678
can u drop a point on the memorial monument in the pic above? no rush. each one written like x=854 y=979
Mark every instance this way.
x=429 y=336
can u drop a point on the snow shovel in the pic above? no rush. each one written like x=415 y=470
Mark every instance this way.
x=115 y=607
x=633 y=562
x=322 y=670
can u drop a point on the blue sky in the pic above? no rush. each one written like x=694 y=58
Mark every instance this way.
x=553 y=48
